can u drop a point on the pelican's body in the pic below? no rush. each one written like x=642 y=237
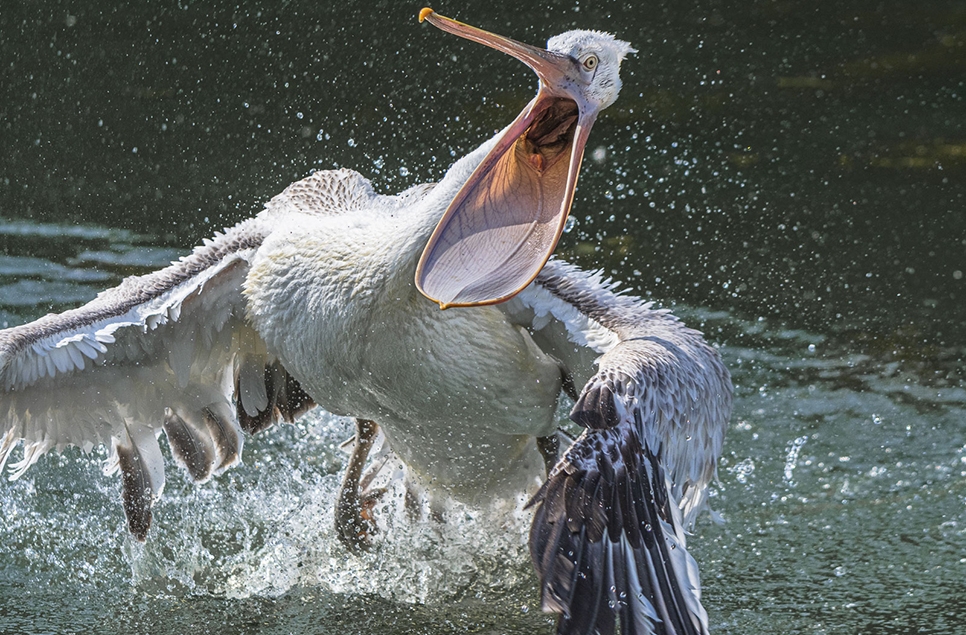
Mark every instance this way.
x=314 y=301
x=460 y=394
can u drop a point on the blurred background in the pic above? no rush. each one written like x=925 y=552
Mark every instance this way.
x=788 y=176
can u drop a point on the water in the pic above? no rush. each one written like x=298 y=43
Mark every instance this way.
x=788 y=177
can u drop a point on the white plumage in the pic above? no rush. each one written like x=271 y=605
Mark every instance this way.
x=313 y=301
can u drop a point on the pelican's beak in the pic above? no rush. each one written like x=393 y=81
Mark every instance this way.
x=502 y=226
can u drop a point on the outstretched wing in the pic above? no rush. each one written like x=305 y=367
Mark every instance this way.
x=166 y=351
x=608 y=534
x=171 y=350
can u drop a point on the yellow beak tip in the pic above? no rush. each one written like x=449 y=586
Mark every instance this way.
x=425 y=13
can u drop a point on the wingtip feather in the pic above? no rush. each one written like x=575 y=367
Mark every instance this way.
x=613 y=549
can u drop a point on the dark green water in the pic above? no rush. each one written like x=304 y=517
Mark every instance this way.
x=790 y=176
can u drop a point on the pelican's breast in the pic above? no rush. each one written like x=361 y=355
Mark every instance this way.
x=334 y=248
x=310 y=291
x=457 y=392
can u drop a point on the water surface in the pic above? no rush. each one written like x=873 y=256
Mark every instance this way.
x=788 y=177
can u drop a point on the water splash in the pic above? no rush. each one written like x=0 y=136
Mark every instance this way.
x=791 y=457
x=267 y=528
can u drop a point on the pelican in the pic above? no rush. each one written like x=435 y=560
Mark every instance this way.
x=436 y=318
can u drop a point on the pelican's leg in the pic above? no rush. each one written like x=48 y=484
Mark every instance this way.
x=549 y=449
x=353 y=512
x=549 y=446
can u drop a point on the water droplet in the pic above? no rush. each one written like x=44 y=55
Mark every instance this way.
x=403 y=171
x=742 y=470
x=791 y=458
x=570 y=224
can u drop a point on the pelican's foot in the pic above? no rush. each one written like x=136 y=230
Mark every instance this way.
x=367 y=504
x=355 y=522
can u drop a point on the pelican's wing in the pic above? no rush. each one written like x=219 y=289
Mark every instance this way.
x=608 y=533
x=171 y=351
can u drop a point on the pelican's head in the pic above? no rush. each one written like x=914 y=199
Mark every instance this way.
x=596 y=59
x=504 y=223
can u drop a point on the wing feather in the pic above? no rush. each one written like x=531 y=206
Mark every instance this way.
x=608 y=533
x=138 y=457
x=191 y=448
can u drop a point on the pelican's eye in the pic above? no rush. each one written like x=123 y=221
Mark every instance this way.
x=590 y=62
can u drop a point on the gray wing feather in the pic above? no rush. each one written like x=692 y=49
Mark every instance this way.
x=608 y=533
x=137 y=456
x=73 y=378
x=172 y=350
